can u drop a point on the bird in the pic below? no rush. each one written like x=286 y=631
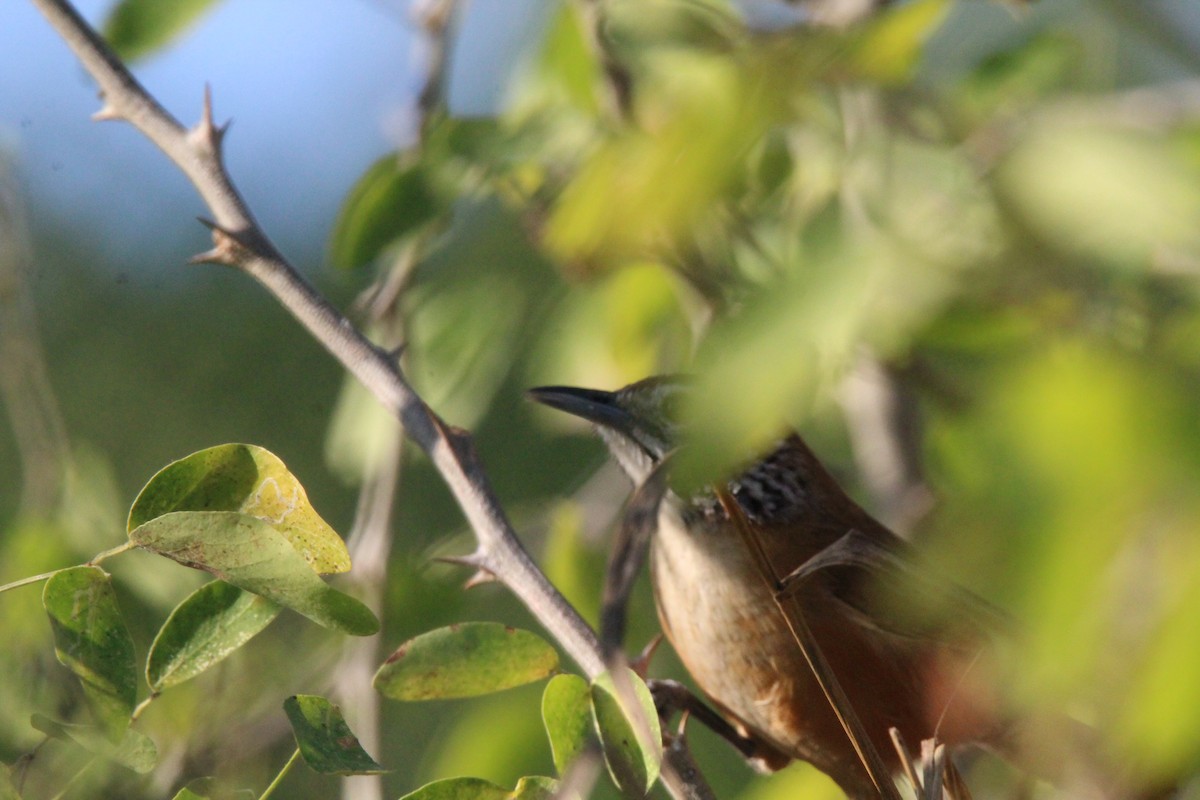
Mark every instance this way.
x=921 y=676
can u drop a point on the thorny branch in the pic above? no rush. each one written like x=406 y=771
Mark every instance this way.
x=241 y=243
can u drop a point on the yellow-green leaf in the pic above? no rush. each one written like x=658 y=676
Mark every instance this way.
x=250 y=480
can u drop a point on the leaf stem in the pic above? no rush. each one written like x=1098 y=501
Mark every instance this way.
x=137 y=712
x=282 y=774
x=27 y=581
x=112 y=551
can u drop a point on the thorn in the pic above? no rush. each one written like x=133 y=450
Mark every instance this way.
x=206 y=133
x=681 y=728
x=469 y=560
x=210 y=256
x=396 y=352
x=227 y=249
x=479 y=578
x=107 y=113
x=641 y=663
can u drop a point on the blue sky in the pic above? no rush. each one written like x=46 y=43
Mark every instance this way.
x=316 y=89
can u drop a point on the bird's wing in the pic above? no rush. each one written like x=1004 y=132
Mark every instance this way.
x=881 y=586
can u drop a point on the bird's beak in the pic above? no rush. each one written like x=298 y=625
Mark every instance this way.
x=594 y=405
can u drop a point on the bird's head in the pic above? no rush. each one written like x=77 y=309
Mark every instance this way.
x=639 y=423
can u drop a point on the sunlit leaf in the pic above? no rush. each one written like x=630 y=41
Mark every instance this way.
x=211 y=623
x=891 y=46
x=249 y=480
x=633 y=757
x=569 y=61
x=90 y=639
x=251 y=554
x=1106 y=194
x=465 y=660
x=134 y=750
x=567 y=715
x=136 y=28
x=393 y=198
x=325 y=740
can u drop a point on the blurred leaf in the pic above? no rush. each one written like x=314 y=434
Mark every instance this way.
x=251 y=554
x=362 y=433
x=473 y=305
x=250 y=480
x=531 y=788
x=570 y=62
x=325 y=740
x=207 y=626
x=7 y=790
x=465 y=660
x=797 y=781
x=471 y=746
x=1105 y=194
x=1160 y=740
x=90 y=639
x=633 y=765
x=646 y=188
x=136 y=28
x=211 y=789
x=570 y=564
x=134 y=750
x=616 y=328
x=567 y=715
x=459 y=789
x=890 y=47
x=1011 y=80
x=782 y=355
x=393 y=198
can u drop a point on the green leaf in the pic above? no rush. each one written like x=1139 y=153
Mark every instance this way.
x=531 y=788
x=633 y=765
x=211 y=623
x=567 y=715
x=133 y=750
x=253 y=555
x=466 y=660
x=136 y=28
x=249 y=480
x=391 y=199
x=211 y=789
x=325 y=740
x=90 y=639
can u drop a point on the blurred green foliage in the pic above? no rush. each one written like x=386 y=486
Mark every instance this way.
x=1014 y=229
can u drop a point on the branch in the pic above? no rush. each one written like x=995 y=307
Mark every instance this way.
x=241 y=243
